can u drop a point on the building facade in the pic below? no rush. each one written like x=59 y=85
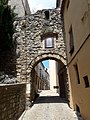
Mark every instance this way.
x=52 y=70
x=40 y=79
x=58 y=78
x=76 y=15
x=43 y=77
x=21 y=7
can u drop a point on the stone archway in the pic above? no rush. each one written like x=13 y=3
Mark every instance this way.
x=30 y=36
x=62 y=62
x=45 y=56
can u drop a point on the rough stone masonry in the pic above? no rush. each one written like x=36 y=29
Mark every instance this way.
x=30 y=35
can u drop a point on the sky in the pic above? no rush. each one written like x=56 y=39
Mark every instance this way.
x=41 y=4
x=46 y=63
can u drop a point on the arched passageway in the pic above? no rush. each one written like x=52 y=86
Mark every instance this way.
x=40 y=39
x=62 y=86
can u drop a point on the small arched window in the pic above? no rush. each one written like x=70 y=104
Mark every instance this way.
x=46 y=14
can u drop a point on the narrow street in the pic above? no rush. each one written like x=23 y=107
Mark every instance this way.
x=49 y=106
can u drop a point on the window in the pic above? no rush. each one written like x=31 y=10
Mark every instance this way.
x=71 y=41
x=47 y=15
x=58 y=3
x=56 y=87
x=86 y=81
x=77 y=73
x=77 y=108
x=42 y=76
x=40 y=72
x=49 y=39
x=68 y=2
x=49 y=42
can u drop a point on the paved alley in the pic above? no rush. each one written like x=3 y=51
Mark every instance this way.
x=49 y=106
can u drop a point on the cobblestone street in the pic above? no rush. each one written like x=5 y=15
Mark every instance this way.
x=49 y=107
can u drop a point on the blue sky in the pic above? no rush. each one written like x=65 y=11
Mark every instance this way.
x=41 y=4
x=46 y=63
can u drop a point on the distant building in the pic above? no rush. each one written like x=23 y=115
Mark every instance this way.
x=76 y=15
x=43 y=80
x=58 y=78
x=53 y=75
x=21 y=7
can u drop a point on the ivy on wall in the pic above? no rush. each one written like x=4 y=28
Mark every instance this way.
x=7 y=17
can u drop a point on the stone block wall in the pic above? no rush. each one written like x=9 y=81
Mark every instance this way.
x=12 y=101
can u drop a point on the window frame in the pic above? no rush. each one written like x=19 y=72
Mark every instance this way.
x=52 y=35
x=71 y=41
x=68 y=2
x=46 y=42
x=47 y=14
x=86 y=81
x=77 y=73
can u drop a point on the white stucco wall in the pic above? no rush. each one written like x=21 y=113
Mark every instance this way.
x=52 y=71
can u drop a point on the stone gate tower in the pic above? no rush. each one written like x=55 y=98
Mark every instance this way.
x=38 y=37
